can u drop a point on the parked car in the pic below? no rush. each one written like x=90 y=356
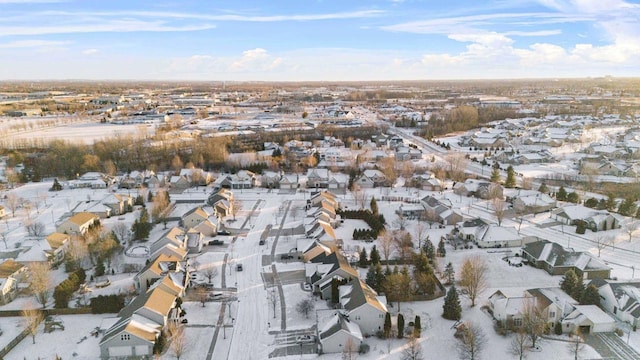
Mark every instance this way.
x=286 y=257
x=216 y=242
x=261 y=242
x=239 y=267
x=306 y=339
x=223 y=232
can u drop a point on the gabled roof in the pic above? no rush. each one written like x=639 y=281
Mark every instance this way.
x=57 y=239
x=337 y=323
x=9 y=267
x=197 y=211
x=83 y=218
x=360 y=294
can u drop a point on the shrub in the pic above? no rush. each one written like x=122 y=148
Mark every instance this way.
x=107 y=304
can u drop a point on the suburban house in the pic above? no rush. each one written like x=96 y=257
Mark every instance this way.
x=196 y=177
x=243 y=179
x=440 y=211
x=200 y=220
x=556 y=260
x=321 y=273
x=479 y=189
x=222 y=202
x=338 y=333
x=595 y=220
x=289 y=182
x=118 y=203
x=318 y=178
x=270 y=179
x=494 y=236
x=79 y=223
x=11 y=274
x=58 y=242
x=426 y=182
x=194 y=241
x=371 y=178
x=364 y=306
x=179 y=182
x=141 y=322
x=530 y=202
x=174 y=236
x=555 y=306
x=159 y=267
x=620 y=298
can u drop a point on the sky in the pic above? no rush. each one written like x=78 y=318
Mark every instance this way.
x=317 y=40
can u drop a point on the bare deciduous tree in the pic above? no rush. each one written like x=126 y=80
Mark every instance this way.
x=305 y=307
x=179 y=342
x=359 y=196
x=40 y=282
x=499 y=207
x=201 y=294
x=472 y=342
x=272 y=297
x=533 y=320
x=473 y=277
x=121 y=230
x=32 y=319
x=520 y=344
x=236 y=207
x=13 y=202
x=421 y=233
x=631 y=227
x=349 y=350
x=210 y=272
x=576 y=345
x=413 y=350
x=386 y=242
x=401 y=221
x=457 y=165
x=34 y=228
x=602 y=242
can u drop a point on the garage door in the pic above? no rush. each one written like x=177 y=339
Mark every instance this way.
x=142 y=350
x=120 y=351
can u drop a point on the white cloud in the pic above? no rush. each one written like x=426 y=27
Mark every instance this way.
x=104 y=26
x=90 y=51
x=32 y=44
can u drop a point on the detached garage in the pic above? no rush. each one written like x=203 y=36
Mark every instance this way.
x=588 y=319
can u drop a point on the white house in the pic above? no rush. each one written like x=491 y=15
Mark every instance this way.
x=620 y=298
x=339 y=332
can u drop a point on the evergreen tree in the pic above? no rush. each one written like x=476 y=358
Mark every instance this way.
x=449 y=273
x=572 y=285
x=610 y=203
x=628 y=207
x=400 y=326
x=335 y=293
x=374 y=256
x=363 y=262
x=99 y=271
x=451 y=308
x=56 y=185
x=562 y=194
x=387 y=326
x=417 y=327
x=495 y=175
x=590 y=296
x=429 y=250
x=421 y=264
x=441 y=249
x=510 y=182
x=374 y=206
x=573 y=197
x=543 y=188
x=375 y=277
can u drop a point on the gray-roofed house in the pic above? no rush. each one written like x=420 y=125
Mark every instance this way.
x=556 y=260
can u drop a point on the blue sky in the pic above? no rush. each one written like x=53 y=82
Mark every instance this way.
x=296 y=40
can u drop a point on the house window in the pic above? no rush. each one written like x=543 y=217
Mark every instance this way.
x=552 y=314
x=517 y=322
x=380 y=316
x=125 y=337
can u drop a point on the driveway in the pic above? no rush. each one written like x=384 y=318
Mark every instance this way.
x=611 y=346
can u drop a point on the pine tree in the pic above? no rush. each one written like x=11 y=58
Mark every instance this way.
x=56 y=185
x=449 y=273
x=628 y=207
x=590 y=296
x=363 y=262
x=335 y=293
x=441 y=250
x=510 y=182
x=374 y=256
x=374 y=206
x=373 y=276
x=572 y=285
x=429 y=250
x=421 y=264
x=387 y=326
x=417 y=327
x=495 y=175
x=400 y=326
x=543 y=188
x=451 y=308
x=573 y=197
x=562 y=194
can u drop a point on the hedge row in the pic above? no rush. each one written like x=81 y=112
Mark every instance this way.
x=63 y=292
x=375 y=222
x=107 y=304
